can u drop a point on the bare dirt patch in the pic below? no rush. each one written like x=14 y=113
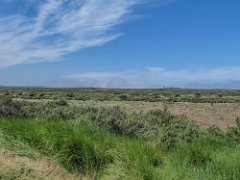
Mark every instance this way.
x=13 y=166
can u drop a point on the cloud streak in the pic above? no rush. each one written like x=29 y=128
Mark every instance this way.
x=157 y=77
x=59 y=27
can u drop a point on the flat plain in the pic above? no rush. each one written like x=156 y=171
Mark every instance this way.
x=205 y=107
x=119 y=134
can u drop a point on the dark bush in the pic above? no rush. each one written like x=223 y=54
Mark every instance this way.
x=111 y=119
x=123 y=97
x=9 y=107
x=238 y=121
x=61 y=102
x=70 y=95
x=198 y=95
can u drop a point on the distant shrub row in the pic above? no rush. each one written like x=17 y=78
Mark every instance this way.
x=147 y=95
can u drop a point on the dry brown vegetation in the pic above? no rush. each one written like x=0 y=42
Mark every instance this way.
x=221 y=114
x=13 y=166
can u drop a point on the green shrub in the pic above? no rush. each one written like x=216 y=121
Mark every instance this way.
x=9 y=107
x=233 y=133
x=123 y=97
x=61 y=102
x=111 y=119
x=238 y=121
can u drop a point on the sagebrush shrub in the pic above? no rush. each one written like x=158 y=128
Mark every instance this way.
x=9 y=107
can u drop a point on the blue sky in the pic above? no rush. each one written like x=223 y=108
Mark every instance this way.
x=120 y=43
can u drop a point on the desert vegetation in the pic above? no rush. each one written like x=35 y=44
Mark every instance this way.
x=143 y=95
x=47 y=127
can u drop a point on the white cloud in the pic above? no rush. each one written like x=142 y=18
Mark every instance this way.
x=156 y=77
x=59 y=28
x=155 y=69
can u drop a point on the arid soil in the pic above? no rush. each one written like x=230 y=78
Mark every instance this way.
x=13 y=166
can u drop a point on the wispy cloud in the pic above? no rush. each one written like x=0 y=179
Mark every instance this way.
x=59 y=27
x=156 y=77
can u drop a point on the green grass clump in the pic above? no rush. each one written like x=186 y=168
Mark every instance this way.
x=83 y=148
x=202 y=160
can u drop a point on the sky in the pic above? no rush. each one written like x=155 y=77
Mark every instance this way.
x=120 y=43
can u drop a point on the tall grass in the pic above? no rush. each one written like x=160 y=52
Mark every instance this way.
x=94 y=152
x=200 y=160
x=84 y=149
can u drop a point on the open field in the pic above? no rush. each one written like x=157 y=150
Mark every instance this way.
x=205 y=107
x=221 y=114
x=54 y=134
